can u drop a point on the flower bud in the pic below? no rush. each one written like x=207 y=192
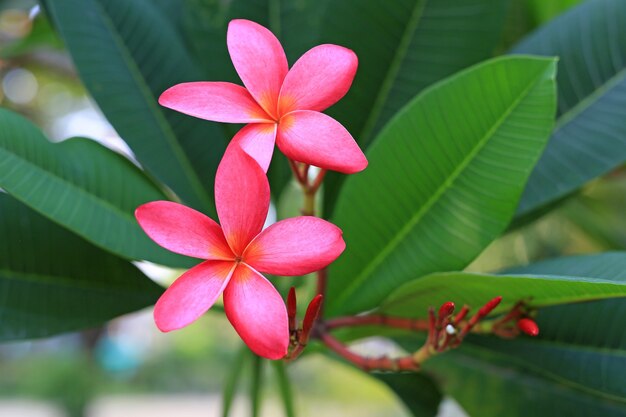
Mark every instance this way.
x=488 y=308
x=528 y=326
x=446 y=310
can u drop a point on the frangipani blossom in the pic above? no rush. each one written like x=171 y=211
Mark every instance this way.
x=236 y=253
x=280 y=105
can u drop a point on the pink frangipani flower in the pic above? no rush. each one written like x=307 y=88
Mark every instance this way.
x=235 y=254
x=279 y=104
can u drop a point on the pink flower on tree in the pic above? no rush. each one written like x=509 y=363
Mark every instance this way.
x=236 y=253
x=279 y=104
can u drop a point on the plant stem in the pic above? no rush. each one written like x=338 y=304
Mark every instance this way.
x=322 y=275
x=378 y=320
x=309 y=204
x=284 y=386
x=256 y=385
x=231 y=381
x=383 y=363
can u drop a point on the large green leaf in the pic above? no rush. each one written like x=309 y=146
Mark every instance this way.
x=53 y=281
x=574 y=367
x=417 y=391
x=295 y=23
x=590 y=134
x=490 y=388
x=443 y=180
x=127 y=53
x=81 y=185
x=541 y=290
x=403 y=47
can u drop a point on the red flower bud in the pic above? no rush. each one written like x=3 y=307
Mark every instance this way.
x=528 y=326
x=446 y=310
x=488 y=308
x=312 y=311
x=291 y=308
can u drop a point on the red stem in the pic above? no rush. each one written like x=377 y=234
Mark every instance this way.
x=377 y=320
x=384 y=363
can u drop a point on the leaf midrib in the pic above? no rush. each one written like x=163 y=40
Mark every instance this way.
x=109 y=206
x=551 y=376
x=394 y=68
x=61 y=281
x=151 y=104
x=447 y=184
x=544 y=302
x=589 y=100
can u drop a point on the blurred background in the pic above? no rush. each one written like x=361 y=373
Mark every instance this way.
x=128 y=367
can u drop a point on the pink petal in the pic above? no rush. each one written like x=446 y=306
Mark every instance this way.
x=242 y=198
x=192 y=294
x=318 y=79
x=216 y=101
x=319 y=140
x=183 y=230
x=259 y=60
x=257 y=140
x=295 y=246
x=257 y=312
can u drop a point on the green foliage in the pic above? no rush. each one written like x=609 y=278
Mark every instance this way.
x=575 y=367
x=540 y=290
x=126 y=63
x=81 y=185
x=53 y=281
x=590 y=134
x=444 y=179
x=419 y=392
x=491 y=388
x=402 y=50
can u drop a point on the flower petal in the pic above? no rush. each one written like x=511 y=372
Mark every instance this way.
x=183 y=230
x=257 y=140
x=242 y=198
x=295 y=246
x=321 y=77
x=259 y=60
x=192 y=294
x=257 y=312
x=216 y=101
x=317 y=139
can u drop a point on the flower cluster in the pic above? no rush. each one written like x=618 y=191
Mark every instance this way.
x=282 y=106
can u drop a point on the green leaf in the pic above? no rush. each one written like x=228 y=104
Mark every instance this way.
x=540 y=290
x=127 y=53
x=590 y=134
x=81 y=185
x=444 y=179
x=575 y=367
x=490 y=388
x=53 y=281
x=234 y=376
x=256 y=385
x=403 y=49
x=544 y=11
x=418 y=392
x=581 y=345
x=284 y=387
